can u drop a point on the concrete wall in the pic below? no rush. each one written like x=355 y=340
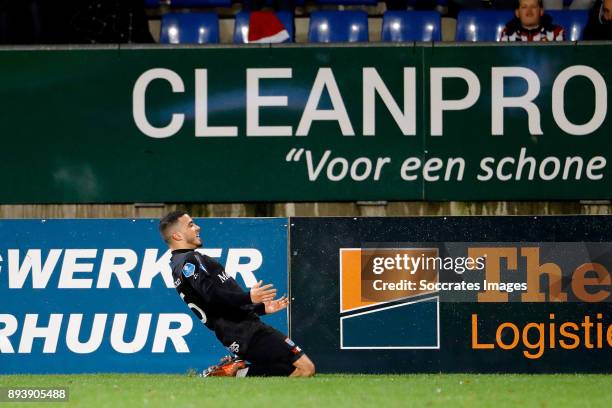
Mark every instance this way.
x=366 y=209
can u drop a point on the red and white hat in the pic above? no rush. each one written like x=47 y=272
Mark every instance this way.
x=265 y=27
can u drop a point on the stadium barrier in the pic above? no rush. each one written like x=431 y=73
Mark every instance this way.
x=400 y=122
x=83 y=296
x=453 y=294
x=377 y=295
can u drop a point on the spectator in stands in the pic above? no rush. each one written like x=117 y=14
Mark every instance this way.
x=531 y=24
x=599 y=26
x=286 y=5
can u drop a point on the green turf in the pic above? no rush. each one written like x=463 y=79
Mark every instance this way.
x=351 y=391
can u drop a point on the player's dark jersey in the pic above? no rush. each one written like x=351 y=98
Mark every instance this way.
x=216 y=298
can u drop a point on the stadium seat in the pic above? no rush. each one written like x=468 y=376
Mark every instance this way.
x=189 y=28
x=411 y=26
x=573 y=21
x=338 y=26
x=241 y=26
x=270 y=3
x=413 y=3
x=200 y=3
x=481 y=25
x=347 y=2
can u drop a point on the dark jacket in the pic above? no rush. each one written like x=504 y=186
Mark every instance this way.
x=215 y=298
x=597 y=28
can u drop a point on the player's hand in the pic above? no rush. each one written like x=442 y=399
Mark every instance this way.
x=260 y=294
x=274 y=306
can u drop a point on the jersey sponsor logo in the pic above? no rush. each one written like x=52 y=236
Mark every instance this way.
x=223 y=277
x=177 y=282
x=234 y=347
x=188 y=269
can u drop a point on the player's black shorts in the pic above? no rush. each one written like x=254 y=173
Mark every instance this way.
x=271 y=353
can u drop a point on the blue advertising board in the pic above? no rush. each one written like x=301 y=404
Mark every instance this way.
x=79 y=296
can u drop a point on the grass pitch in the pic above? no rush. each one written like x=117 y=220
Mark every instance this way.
x=350 y=391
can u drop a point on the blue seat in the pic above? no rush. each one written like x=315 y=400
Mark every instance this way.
x=338 y=26
x=344 y=2
x=572 y=21
x=412 y=3
x=411 y=26
x=270 y=3
x=201 y=3
x=241 y=26
x=482 y=25
x=189 y=28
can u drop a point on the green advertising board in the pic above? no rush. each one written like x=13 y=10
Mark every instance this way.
x=305 y=123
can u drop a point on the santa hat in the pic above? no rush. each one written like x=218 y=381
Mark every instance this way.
x=265 y=27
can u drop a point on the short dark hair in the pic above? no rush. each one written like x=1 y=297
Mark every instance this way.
x=540 y=3
x=168 y=221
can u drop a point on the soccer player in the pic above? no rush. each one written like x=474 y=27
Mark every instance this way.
x=232 y=313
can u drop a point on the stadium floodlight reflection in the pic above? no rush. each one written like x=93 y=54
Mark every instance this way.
x=201 y=35
x=173 y=35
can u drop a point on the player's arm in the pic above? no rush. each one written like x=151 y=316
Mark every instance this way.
x=269 y=307
x=276 y=305
x=228 y=294
x=234 y=295
x=258 y=308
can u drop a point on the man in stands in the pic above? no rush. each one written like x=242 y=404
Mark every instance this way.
x=531 y=24
x=224 y=307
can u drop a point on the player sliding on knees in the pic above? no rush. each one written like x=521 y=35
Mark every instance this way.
x=225 y=308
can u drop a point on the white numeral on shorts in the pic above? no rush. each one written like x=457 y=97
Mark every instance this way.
x=195 y=309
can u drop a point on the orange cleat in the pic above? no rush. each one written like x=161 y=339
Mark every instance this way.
x=228 y=367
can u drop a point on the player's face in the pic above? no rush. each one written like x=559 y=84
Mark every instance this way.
x=190 y=232
x=607 y=11
x=529 y=12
